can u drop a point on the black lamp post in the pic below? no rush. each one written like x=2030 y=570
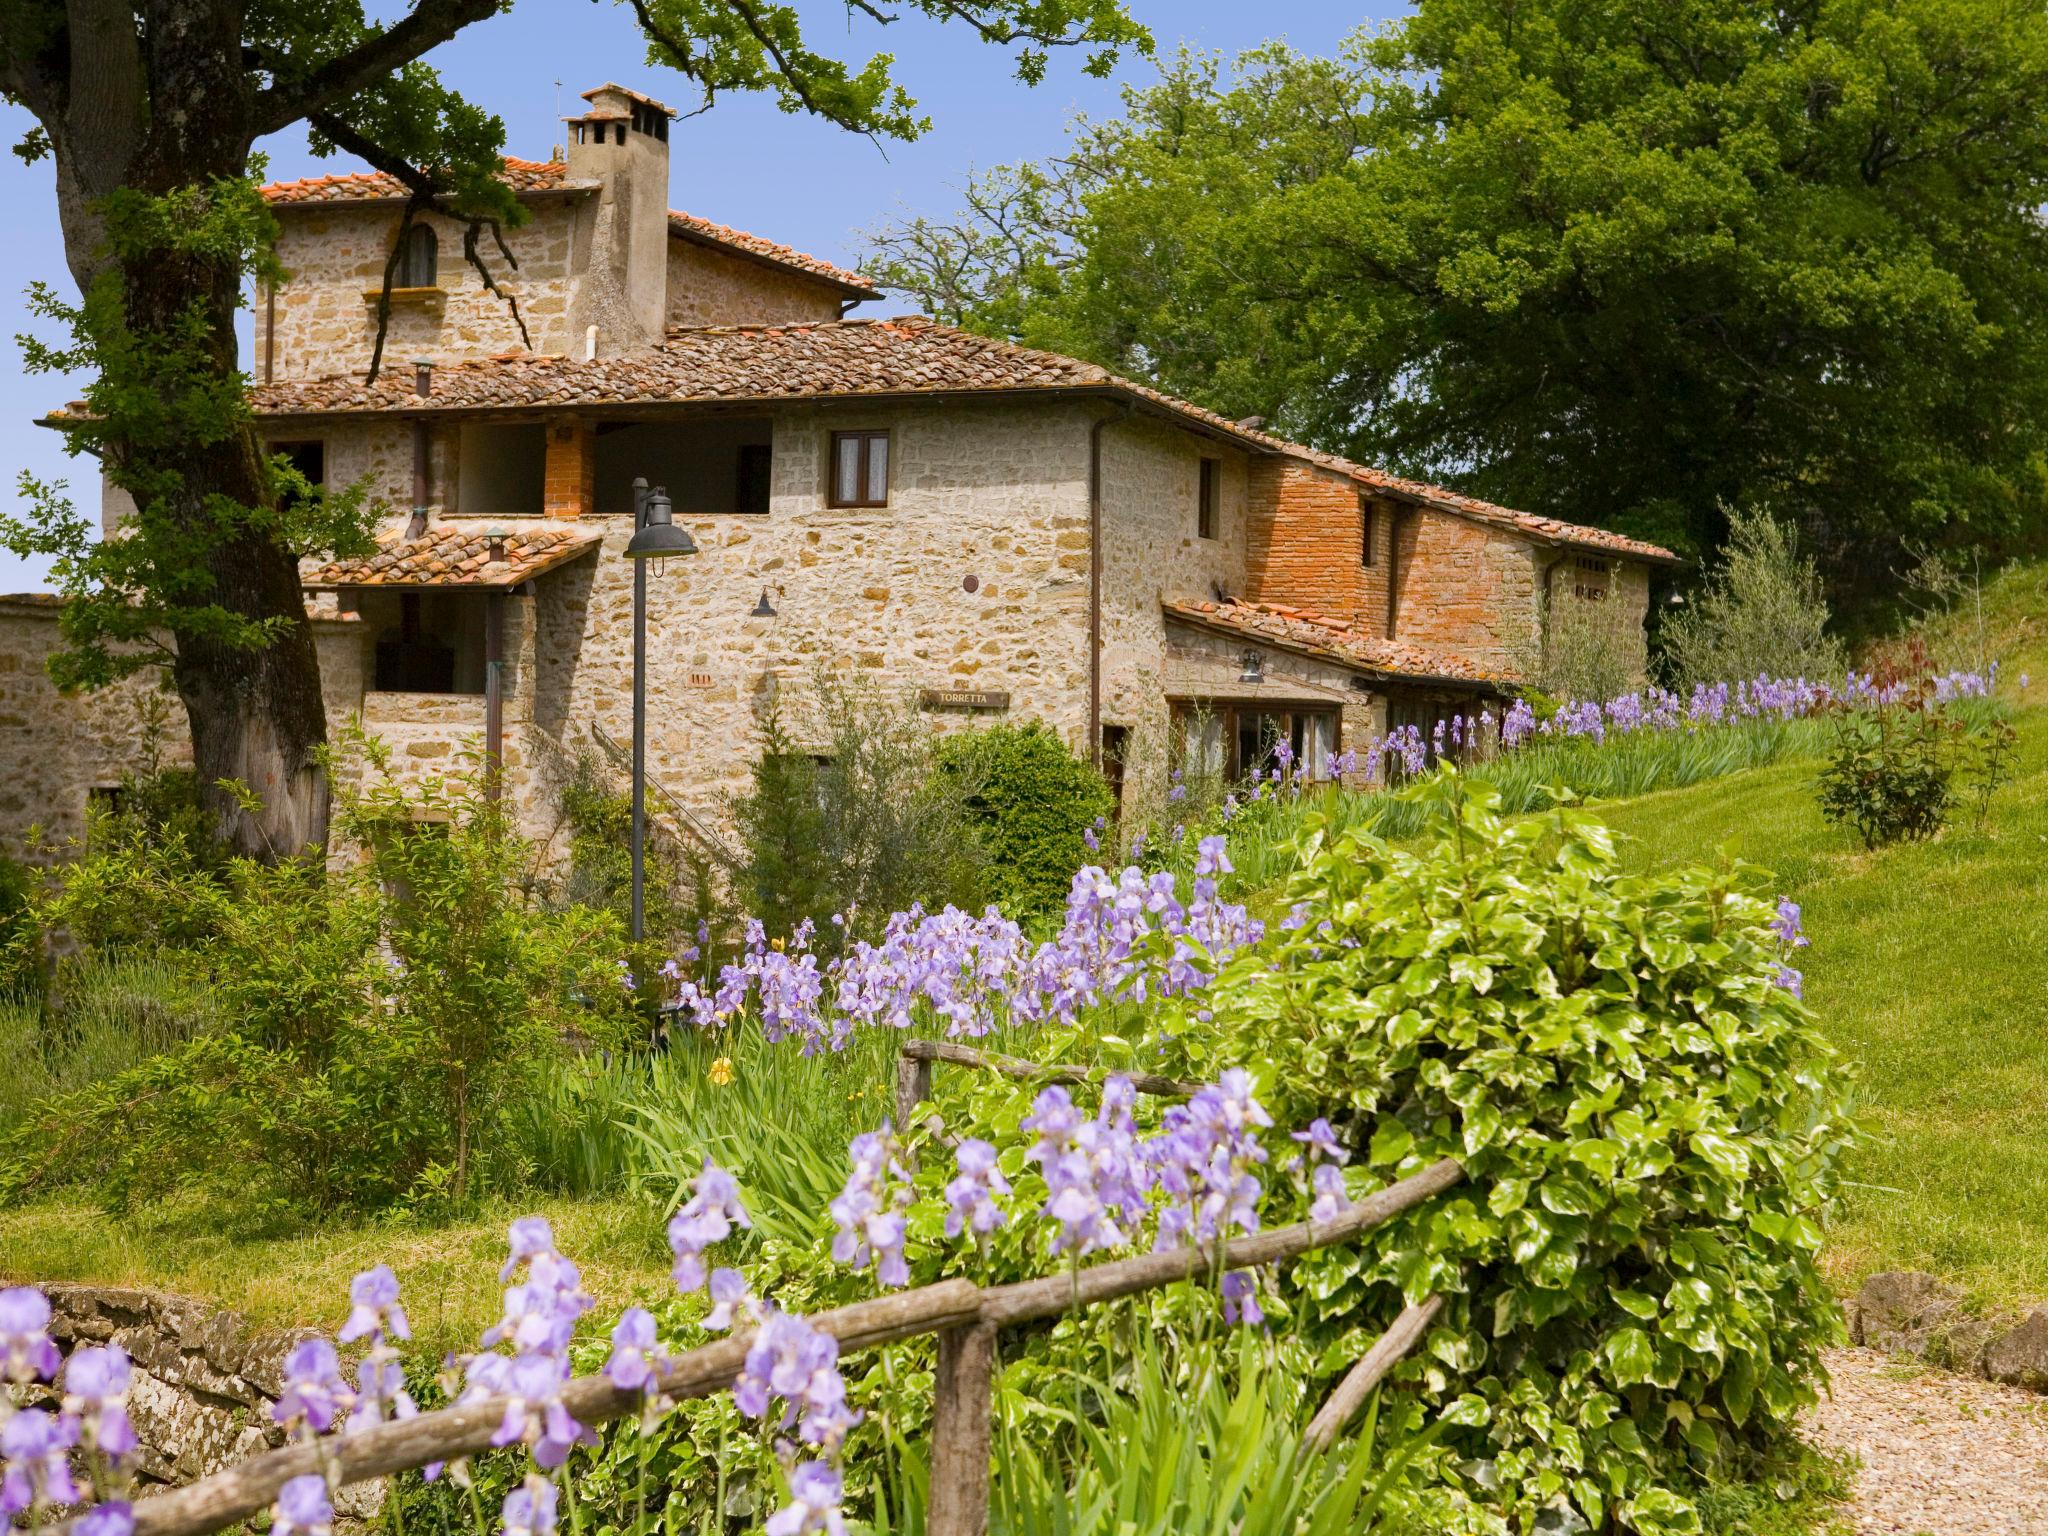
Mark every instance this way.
x=655 y=537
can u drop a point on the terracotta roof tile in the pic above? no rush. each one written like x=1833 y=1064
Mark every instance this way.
x=910 y=355
x=688 y=226
x=376 y=186
x=630 y=94
x=454 y=555
x=1332 y=638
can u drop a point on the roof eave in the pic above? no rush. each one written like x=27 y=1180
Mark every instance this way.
x=1365 y=669
x=759 y=258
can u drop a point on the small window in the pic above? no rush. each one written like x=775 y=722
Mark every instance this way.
x=309 y=459
x=1365 y=531
x=420 y=266
x=1205 y=514
x=750 y=494
x=860 y=469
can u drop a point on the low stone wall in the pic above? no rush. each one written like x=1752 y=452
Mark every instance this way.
x=1913 y=1313
x=203 y=1383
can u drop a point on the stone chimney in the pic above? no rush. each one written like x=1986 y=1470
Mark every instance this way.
x=621 y=142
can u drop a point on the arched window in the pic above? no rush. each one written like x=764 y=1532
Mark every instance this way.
x=419 y=267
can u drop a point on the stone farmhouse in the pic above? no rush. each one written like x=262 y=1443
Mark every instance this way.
x=989 y=531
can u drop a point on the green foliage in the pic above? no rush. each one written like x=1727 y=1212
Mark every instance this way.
x=1030 y=800
x=1591 y=650
x=1623 y=263
x=1896 y=769
x=855 y=820
x=1649 y=1127
x=1760 y=612
x=384 y=1023
x=21 y=969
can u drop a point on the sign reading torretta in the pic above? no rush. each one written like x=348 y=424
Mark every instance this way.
x=962 y=698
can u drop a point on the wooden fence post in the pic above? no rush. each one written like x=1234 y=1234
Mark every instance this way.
x=913 y=1087
x=963 y=1400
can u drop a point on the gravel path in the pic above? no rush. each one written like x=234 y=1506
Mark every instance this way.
x=1939 y=1455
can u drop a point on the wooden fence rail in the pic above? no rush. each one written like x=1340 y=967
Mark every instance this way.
x=964 y=1315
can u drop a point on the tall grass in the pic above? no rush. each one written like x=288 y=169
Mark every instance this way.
x=1223 y=1456
x=106 y=1014
x=777 y=1120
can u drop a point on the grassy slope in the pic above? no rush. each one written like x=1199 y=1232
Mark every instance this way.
x=1929 y=970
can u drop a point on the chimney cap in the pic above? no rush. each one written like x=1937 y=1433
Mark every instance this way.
x=609 y=88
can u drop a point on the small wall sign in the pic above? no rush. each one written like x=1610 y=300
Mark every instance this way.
x=962 y=698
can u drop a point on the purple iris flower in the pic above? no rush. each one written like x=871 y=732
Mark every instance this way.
x=116 y=1517
x=314 y=1395
x=303 y=1508
x=971 y=1197
x=35 y=1445
x=529 y=1509
x=814 y=1495
x=1241 y=1298
x=637 y=1354
x=96 y=1382
x=374 y=1311
x=709 y=1216
x=27 y=1352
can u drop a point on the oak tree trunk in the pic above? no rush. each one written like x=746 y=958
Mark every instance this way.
x=257 y=716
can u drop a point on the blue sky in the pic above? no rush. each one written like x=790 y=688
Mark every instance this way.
x=743 y=163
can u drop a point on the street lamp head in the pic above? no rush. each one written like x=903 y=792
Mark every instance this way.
x=1254 y=668
x=659 y=536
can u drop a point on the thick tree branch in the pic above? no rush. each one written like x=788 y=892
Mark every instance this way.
x=432 y=23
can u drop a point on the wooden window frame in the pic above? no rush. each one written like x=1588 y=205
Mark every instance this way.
x=411 y=237
x=1182 y=709
x=866 y=436
x=1209 y=499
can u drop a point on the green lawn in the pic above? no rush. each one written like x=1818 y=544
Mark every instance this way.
x=449 y=1273
x=1929 y=971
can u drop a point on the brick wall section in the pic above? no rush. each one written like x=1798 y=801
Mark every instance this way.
x=1466 y=587
x=571 y=477
x=1305 y=543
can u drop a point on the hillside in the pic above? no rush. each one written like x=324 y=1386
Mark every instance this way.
x=1926 y=969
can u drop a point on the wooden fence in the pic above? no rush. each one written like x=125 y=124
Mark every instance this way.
x=965 y=1316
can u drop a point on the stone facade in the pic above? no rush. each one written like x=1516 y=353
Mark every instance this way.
x=323 y=319
x=203 y=1384
x=707 y=286
x=57 y=750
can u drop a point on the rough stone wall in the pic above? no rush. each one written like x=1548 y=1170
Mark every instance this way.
x=55 y=748
x=1151 y=485
x=709 y=287
x=1305 y=543
x=335 y=258
x=203 y=1384
x=1466 y=587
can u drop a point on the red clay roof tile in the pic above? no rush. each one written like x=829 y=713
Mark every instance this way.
x=1332 y=638
x=909 y=355
x=454 y=555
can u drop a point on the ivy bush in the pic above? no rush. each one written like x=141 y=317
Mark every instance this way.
x=1648 y=1120
x=1032 y=802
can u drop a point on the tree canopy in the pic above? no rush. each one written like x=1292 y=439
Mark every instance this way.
x=1630 y=262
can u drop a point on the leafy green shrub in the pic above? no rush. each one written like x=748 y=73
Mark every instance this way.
x=1896 y=769
x=1761 y=610
x=21 y=970
x=1649 y=1125
x=854 y=819
x=385 y=1022
x=1030 y=800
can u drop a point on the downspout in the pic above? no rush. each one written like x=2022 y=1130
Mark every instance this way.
x=422 y=457
x=494 y=694
x=269 y=332
x=1543 y=621
x=1095 y=580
